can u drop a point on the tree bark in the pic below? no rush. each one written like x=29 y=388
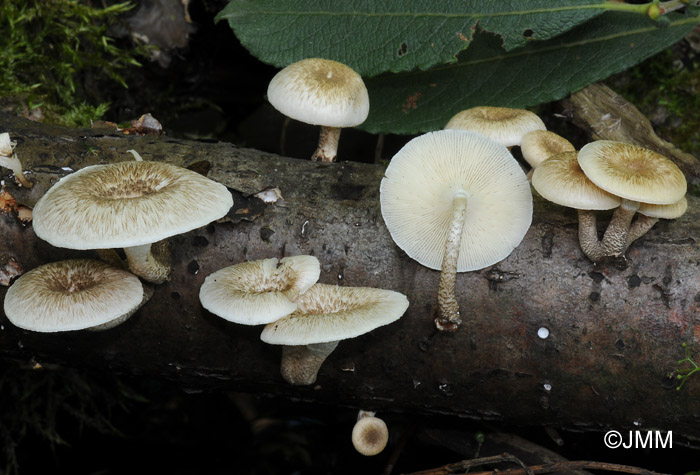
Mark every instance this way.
x=615 y=330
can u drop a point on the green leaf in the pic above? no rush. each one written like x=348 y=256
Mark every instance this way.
x=486 y=74
x=376 y=36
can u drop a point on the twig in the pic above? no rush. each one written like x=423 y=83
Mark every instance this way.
x=458 y=467
x=465 y=465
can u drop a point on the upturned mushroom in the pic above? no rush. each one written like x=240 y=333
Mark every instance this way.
x=505 y=125
x=325 y=315
x=321 y=92
x=9 y=159
x=131 y=205
x=75 y=294
x=261 y=291
x=455 y=201
x=635 y=174
x=369 y=434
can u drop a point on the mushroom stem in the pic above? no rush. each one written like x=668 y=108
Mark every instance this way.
x=327 y=147
x=300 y=364
x=588 y=235
x=640 y=227
x=615 y=238
x=619 y=234
x=448 y=318
x=149 y=261
x=13 y=163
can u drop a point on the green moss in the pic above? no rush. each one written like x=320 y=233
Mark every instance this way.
x=667 y=87
x=56 y=54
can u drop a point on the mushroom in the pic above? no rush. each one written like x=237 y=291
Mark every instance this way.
x=131 y=205
x=321 y=92
x=74 y=294
x=261 y=291
x=637 y=175
x=9 y=159
x=369 y=434
x=504 y=125
x=325 y=315
x=455 y=201
x=539 y=145
x=560 y=180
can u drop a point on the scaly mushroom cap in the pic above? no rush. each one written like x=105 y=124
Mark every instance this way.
x=560 y=180
x=329 y=313
x=261 y=291
x=504 y=125
x=632 y=172
x=539 y=145
x=127 y=204
x=72 y=295
x=420 y=183
x=320 y=92
x=672 y=211
x=370 y=435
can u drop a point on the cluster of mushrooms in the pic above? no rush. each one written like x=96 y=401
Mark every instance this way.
x=454 y=200
x=475 y=204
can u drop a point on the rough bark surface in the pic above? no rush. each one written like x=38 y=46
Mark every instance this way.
x=615 y=331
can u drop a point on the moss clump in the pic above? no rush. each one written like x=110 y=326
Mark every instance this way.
x=56 y=55
x=666 y=88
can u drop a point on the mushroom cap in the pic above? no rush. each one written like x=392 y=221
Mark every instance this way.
x=539 y=145
x=320 y=92
x=370 y=435
x=502 y=124
x=632 y=172
x=560 y=180
x=420 y=183
x=127 y=204
x=672 y=211
x=256 y=292
x=73 y=294
x=329 y=313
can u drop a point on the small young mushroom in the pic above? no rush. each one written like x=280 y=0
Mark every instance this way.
x=257 y=292
x=134 y=205
x=539 y=145
x=369 y=434
x=637 y=175
x=504 y=125
x=560 y=180
x=9 y=159
x=455 y=201
x=325 y=315
x=75 y=294
x=321 y=92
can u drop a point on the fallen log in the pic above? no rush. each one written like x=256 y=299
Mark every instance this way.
x=614 y=332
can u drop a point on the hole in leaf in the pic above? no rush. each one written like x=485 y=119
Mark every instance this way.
x=528 y=33
x=403 y=49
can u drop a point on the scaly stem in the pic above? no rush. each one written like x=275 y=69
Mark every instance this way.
x=327 y=144
x=300 y=364
x=149 y=262
x=615 y=238
x=640 y=227
x=588 y=235
x=448 y=318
